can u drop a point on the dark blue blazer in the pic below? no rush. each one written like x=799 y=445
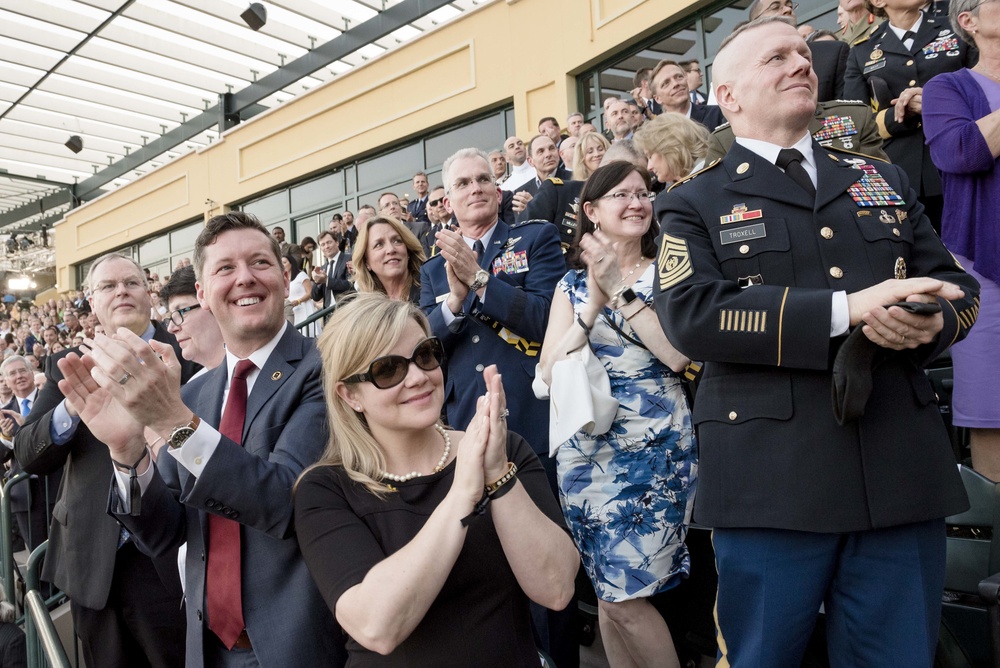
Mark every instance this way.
x=418 y=209
x=506 y=328
x=285 y=431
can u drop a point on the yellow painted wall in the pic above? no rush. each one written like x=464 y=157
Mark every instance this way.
x=527 y=51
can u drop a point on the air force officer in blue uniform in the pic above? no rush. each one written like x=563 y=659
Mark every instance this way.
x=764 y=266
x=493 y=310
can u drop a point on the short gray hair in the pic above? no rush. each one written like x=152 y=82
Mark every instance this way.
x=459 y=155
x=13 y=359
x=111 y=256
x=956 y=7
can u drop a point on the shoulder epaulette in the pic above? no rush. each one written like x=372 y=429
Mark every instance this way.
x=866 y=156
x=555 y=180
x=531 y=221
x=694 y=174
x=834 y=102
x=720 y=128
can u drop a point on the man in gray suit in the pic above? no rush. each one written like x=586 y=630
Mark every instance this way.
x=238 y=437
x=126 y=606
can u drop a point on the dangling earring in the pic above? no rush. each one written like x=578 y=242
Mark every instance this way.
x=597 y=227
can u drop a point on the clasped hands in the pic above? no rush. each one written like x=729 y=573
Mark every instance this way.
x=894 y=327
x=482 y=456
x=121 y=385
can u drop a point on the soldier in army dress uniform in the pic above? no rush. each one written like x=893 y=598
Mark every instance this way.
x=890 y=69
x=762 y=271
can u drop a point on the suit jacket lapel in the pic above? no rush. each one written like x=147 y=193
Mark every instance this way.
x=927 y=33
x=277 y=369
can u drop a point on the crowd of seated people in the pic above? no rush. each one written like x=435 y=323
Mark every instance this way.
x=499 y=399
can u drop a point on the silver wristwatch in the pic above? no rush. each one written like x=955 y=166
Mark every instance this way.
x=482 y=278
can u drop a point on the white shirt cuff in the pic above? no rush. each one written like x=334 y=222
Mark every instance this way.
x=198 y=449
x=840 y=316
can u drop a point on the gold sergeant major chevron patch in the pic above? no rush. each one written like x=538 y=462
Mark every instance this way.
x=673 y=262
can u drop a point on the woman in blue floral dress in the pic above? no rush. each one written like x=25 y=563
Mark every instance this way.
x=627 y=494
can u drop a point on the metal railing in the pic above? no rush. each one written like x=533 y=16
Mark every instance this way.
x=322 y=313
x=6 y=538
x=45 y=650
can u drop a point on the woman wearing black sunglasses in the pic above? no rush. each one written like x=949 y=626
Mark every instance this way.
x=426 y=543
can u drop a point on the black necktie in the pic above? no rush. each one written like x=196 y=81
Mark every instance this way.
x=909 y=34
x=790 y=160
x=479 y=250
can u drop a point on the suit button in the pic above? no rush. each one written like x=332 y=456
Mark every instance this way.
x=475 y=338
x=203 y=555
x=744 y=249
x=235 y=515
x=913 y=82
x=210 y=503
x=199 y=615
x=895 y=231
x=479 y=368
x=733 y=415
x=909 y=63
x=836 y=272
x=826 y=233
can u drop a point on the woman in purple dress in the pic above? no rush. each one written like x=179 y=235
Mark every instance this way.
x=961 y=113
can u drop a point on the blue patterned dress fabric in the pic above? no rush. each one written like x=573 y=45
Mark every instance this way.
x=627 y=495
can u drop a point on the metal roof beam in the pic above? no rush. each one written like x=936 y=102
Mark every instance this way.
x=40 y=205
x=377 y=27
x=243 y=104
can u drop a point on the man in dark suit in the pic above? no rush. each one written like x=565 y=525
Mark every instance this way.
x=250 y=598
x=767 y=261
x=669 y=85
x=31 y=501
x=330 y=279
x=417 y=208
x=389 y=205
x=494 y=310
x=126 y=606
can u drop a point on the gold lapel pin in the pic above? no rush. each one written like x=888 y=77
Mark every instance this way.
x=276 y=375
x=742 y=169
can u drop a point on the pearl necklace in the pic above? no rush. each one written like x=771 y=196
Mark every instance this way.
x=440 y=465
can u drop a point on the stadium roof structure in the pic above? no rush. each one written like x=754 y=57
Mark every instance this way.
x=95 y=93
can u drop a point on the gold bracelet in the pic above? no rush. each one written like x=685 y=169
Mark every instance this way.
x=492 y=488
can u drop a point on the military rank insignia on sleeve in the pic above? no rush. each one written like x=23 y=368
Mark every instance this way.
x=673 y=262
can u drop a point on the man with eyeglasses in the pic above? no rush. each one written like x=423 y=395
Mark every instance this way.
x=487 y=295
x=126 y=606
x=829 y=57
x=694 y=80
x=196 y=329
x=237 y=439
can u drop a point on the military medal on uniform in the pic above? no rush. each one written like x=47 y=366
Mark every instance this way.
x=873 y=190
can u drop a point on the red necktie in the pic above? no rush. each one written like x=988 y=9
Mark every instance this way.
x=223 y=595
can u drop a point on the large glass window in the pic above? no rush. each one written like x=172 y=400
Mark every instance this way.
x=695 y=38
